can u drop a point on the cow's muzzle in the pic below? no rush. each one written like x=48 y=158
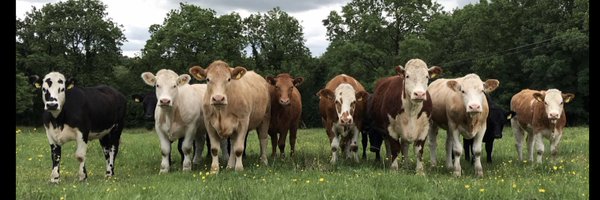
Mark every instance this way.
x=51 y=106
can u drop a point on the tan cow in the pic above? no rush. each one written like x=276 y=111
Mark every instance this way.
x=539 y=113
x=236 y=101
x=342 y=104
x=460 y=107
x=178 y=114
x=286 y=109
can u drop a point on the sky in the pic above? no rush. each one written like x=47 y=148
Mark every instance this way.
x=137 y=15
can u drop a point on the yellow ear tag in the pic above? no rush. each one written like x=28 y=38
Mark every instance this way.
x=37 y=85
x=509 y=116
x=568 y=99
x=70 y=86
x=199 y=76
x=433 y=75
x=239 y=75
x=136 y=100
x=359 y=99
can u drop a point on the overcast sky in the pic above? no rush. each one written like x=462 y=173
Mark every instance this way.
x=137 y=15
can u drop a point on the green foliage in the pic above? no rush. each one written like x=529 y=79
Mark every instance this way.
x=308 y=175
x=24 y=93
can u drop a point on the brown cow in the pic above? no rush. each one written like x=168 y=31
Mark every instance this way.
x=235 y=102
x=539 y=113
x=342 y=104
x=286 y=109
x=402 y=109
x=460 y=107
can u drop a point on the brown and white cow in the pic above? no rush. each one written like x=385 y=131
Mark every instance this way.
x=402 y=109
x=178 y=114
x=539 y=113
x=342 y=104
x=460 y=107
x=286 y=109
x=236 y=101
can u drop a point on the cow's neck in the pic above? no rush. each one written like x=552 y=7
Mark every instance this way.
x=473 y=120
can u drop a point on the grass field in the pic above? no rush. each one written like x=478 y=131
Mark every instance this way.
x=306 y=176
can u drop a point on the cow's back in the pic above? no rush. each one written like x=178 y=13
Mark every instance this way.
x=381 y=96
x=522 y=103
x=103 y=105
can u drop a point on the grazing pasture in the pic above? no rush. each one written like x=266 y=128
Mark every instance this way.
x=307 y=175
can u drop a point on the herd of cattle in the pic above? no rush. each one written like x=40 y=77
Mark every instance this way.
x=402 y=110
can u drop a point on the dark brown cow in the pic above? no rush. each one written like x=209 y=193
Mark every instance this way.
x=342 y=104
x=402 y=109
x=286 y=109
x=539 y=113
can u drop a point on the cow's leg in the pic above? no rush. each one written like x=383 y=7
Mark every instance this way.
x=281 y=142
x=404 y=148
x=530 y=141
x=335 y=147
x=477 y=147
x=454 y=136
x=432 y=137
x=375 y=140
x=224 y=148
x=518 y=137
x=55 y=151
x=468 y=144
x=273 y=135
x=80 y=154
x=293 y=134
x=556 y=136
x=207 y=146
x=489 y=148
x=449 y=148
x=238 y=149
x=419 y=145
x=165 y=150
x=199 y=145
x=187 y=147
x=539 y=144
x=180 y=150
x=216 y=144
x=110 y=147
x=395 y=149
x=354 y=143
x=364 y=140
x=263 y=136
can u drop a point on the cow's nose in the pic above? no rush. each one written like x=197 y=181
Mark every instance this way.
x=553 y=115
x=346 y=120
x=474 y=106
x=52 y=106
x=165 y=101
x=419 y=94
x=218 y=98
x=284 y=101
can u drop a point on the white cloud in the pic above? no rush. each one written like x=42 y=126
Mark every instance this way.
x=136 y=16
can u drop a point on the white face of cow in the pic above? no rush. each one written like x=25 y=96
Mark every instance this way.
x=416 y=77
x=553 y=101
x=345 y=103
x=166 y=83
x=218 y=76
x=54 y=86
x=472 y=91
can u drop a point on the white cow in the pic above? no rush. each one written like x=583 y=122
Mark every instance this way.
x=460 y=106
x=178 y=114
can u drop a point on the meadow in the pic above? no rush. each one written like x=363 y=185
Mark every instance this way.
x=307 y=175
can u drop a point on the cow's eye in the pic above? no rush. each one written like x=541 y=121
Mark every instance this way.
x=406 y=76
x=427 y=77
x=462 y=91
x=174 y=86
x=229 y=79
x=157 y=86
x=561 y=103
x=207 y=80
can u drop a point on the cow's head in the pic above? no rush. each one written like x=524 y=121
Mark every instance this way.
x=472 y=90
x=496 y=120
x=218 y=75
x=53 y=85
x=554 y=101
x=344 y=98
x=166 y=83
x=284 y=85
x=416 y=76
x=148 y=101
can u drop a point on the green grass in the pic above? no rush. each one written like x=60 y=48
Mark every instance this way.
x=306 y=176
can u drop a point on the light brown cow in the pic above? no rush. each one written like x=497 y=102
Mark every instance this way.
x=342 y=104
x=460 y=107
x=236 y=101
x=539 y=113
x=402 y=109
x=286 y=109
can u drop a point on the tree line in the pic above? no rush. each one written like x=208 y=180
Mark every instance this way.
x=523 y=43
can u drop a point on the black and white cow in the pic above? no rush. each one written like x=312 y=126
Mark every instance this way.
x=496 y=120
x=81 y=114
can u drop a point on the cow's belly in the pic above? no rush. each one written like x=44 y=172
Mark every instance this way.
x=344 y=131
x=100 y=134
x=60 y=137
x=409 y=128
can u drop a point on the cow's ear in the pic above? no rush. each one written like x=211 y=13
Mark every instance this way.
x=490 y=85
x=453 y=85
x=298 y=81
x=539 y=96
x=238 y=72
x=198 y=73
x=183 y=79
x=271 y=80
x=137 y=98
x=400 y=70
x=510 y=114
x=35 y=81
x=568 y=97
x=362 y=96
x=326 y=93
x=149 y=78
x=70 y=83
x=434 y=71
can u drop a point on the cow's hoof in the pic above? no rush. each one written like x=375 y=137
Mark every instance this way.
x=457 y=173
x=264 y=161
x=394 y=166
x=55 y=180
x=82 y=177
x=479 y=174
x=420 y=173
x=239 y=168
x=187 y=169
x=163 y=171
x=214 y=170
